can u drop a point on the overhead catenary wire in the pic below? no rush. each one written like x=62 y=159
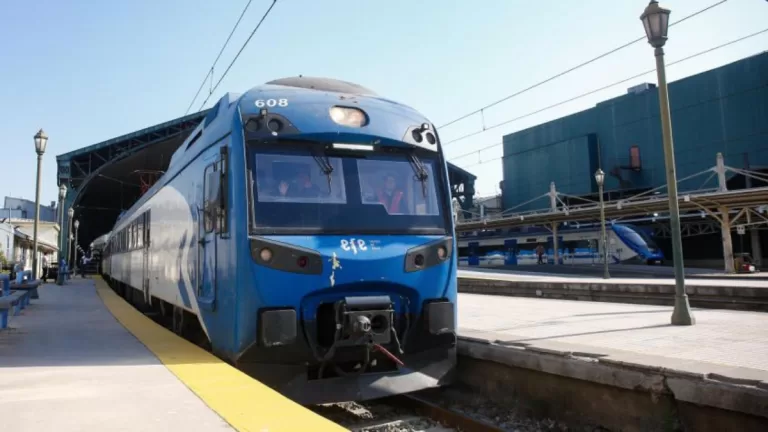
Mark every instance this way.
x=221 y=51
x=579 y=66
x=582 y=95
x=255 y=29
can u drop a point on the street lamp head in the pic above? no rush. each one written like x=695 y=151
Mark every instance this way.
x=41 y=140
x=599 y=177
x=77 y=223
x=656 y=22
x=71 y=212
x=62 y=192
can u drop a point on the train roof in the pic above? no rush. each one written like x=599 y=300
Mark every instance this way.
x=323 y=84
x=100 y=240
x=217 y=121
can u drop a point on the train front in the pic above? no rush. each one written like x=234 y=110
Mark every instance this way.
x=352 y=258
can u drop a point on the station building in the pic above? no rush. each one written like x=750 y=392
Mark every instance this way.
x=723 y=110
x=21 y=208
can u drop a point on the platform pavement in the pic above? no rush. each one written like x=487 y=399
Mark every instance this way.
x=720 y=338
x=571 y=357
x=103 y=376
x=69 y=365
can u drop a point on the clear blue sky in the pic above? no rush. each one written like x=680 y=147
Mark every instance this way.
x=87 y=71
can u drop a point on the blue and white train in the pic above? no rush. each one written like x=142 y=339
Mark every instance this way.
x=626 y=244
x=303 y=233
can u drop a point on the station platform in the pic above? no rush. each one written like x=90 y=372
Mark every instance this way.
x=721 y=361
x=79 y=358
x=722 y=293
x=619 y=270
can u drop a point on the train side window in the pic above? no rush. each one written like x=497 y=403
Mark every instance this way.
x=222 y=203
x=147 y=224
x=140 y=236
x=210 y=205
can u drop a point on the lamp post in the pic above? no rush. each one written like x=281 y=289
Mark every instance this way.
x=70 y=239
x=600 y=179
x=74 y=247
x=41 y=140
x=62 y=195
x=656 y=22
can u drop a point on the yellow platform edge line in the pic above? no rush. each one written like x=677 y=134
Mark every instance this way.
x=243 y=402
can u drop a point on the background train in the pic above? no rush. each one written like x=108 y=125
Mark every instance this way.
x=96 y=251
x=626 y=244
x=303 y=233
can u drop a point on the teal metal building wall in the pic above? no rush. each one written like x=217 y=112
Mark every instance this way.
x=721 y=110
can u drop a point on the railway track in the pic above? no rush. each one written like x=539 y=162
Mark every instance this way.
x=436 y=410
x=402 y=413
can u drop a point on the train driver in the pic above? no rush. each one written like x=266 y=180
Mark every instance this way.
x=304 y=187
x=300 y=187
x=392 y=197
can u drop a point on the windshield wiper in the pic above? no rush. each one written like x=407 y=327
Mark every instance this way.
x=419 y=170
x=325 y=165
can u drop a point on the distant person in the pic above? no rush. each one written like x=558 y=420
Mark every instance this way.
x=85 y=260
x=540 y=253
x=46 y=266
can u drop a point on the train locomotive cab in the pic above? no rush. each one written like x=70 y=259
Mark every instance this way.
x=350 y=292
x=302 y=233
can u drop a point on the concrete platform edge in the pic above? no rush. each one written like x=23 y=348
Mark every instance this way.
x=724 y=297
x=735 y=389
x=243 y=402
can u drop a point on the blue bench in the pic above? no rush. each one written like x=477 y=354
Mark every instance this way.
x=24 y=283
x=11 y=300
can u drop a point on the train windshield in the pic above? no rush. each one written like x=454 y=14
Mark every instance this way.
x=301 y=189
x=636 y=237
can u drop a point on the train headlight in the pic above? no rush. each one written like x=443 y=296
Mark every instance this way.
x=428 y=255
x=265 y=255
x=347 y=116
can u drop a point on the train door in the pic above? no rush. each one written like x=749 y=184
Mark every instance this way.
x=144 y=232
x=473 y=259
x=510 y=252
x=207 y=239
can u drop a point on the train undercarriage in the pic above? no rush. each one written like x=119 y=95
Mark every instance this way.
x=359 y=348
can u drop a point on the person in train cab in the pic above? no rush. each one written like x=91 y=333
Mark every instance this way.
x=392 y=197
x=540 y=253
x=282 y=189
x=304 y=187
